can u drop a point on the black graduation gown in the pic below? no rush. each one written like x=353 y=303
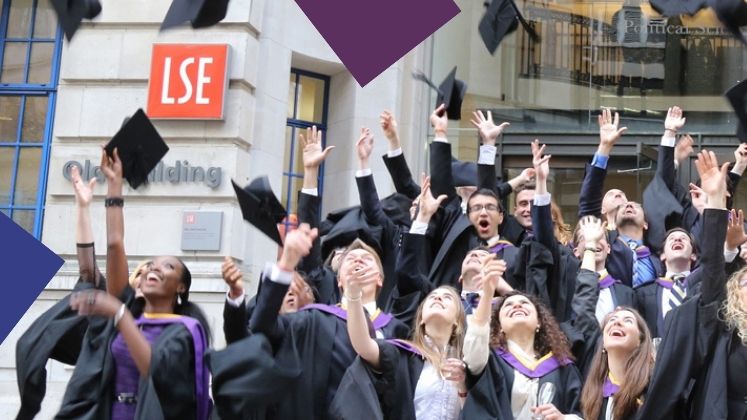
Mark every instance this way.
x=689 y=379
x=389 y=394
x=490 y=392
x=324 y=349
x=167 y=393
x=57 y=334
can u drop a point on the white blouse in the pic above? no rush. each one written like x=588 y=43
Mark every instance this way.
x=436 y=398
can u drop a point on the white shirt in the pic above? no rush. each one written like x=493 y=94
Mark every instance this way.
x=435 y=398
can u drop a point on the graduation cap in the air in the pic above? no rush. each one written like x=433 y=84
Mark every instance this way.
x=737 y=96
x=71 y=13
x=140 y=148
x=678 y=7
x=501 y=19
x=200 y=13
x=733 y=15
x=450 y=92
x=260 y=207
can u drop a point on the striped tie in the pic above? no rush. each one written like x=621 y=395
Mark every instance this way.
x=678 y=291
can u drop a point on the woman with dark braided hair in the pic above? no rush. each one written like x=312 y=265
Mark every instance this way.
x=142 y=356
x=512 y=356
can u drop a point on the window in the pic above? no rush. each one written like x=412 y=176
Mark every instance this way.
x=30 y=45
x=307 y=106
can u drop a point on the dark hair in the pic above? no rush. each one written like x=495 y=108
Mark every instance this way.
x=487 y=193
x=549 y=338
x=188 y=308
x=693 y=242
x=531 y=185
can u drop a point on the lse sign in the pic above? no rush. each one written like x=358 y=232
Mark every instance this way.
x=188 y=81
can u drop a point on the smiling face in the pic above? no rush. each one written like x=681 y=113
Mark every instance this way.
x=163 y=279
x=360 y=259
x=602 y=251
x=517 y=313
x=678 y=245
x=485 y=215
x=621 y=331
x=291 y=302
x=472 y=263
x=442 y=304
x=523 y=208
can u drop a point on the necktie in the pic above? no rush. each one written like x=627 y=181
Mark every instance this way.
x=470 y=301
x=643 y=268
x=678 y=291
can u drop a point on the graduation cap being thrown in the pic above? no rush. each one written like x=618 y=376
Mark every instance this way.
x=501 y=19
x=260 y=207
x=71 y=13
x=200 y=13
x=737 y=96
x=140 y=148
x=733 y=15
x=450 y=92
x=678 y=7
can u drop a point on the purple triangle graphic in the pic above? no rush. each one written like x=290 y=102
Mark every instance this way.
x=369 y=36
x=28 y=266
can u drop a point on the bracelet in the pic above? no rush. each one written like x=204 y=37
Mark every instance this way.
x=670 y=129
x=88 y=245
x=114 y=202
x=119 y=315
x=360 y=295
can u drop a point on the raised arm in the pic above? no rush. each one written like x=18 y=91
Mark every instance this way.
x=713 y=182
x=277 y=279
x=358 y=327
x=394 y=159
x=308 y=201
x=666 y=160
x=442 y=180
x=87 y=268
x=541 y=212
x=489 y=133
x=506 y=188
x=116 y=260
x=591 y=195
x=234 y=309
x=367 y=193
x=587 y=292
x=477 y=338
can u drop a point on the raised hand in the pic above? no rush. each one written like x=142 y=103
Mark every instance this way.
x=712 y=180
x=540 y=161
x=592 y=229
x=364 y=147
x=698 y=197
x=313 y=155
x=489 y=132
x=735 y=235
x=440 y=121
x=674 y=120
x=740 y=156
x=684 y=148
x=233 y=277
x=95 y=302
x=297 y=245
x=389 y=126
x=609 y=133
x=492 y=276
x=83 y=190
x=427 y=204
x=111 y=167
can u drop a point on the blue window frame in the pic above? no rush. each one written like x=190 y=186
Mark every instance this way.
x=30 y=47
x=307 y=106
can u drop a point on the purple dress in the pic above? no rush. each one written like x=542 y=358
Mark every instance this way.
x=126 y=375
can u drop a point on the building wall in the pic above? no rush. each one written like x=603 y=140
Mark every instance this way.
x=104 y=78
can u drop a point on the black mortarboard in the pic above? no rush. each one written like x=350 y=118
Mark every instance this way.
x=464 y=174
x=140 y=148
x=737 y=96
x=200 y=13
x=501 y=19
x=450 y=92
x=733 y=15
x=260 y=207
x=71 y=12
x=678 y=7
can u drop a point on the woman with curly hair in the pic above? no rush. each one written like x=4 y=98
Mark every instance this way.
x=528 y=350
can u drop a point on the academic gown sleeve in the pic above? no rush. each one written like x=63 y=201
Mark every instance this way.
x=412 y=282
x=401 y=176
x=318 y=276
x=356 y=394
x=57 y=334
x=489 y=396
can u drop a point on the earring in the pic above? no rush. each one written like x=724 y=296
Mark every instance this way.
x=178 y=299
x=537 y=330
x=604 y=350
